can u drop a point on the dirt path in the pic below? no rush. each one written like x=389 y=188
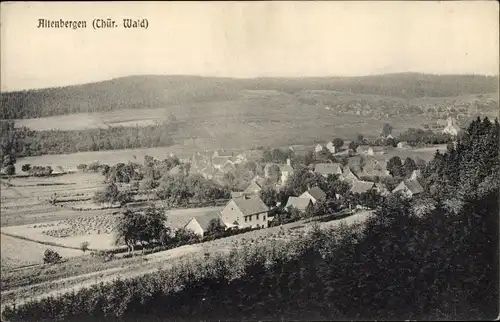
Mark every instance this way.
x=151 y=263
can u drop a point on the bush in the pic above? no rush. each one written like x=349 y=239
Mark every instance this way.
x=9 y=169
x=26 y=167
x=51 y=257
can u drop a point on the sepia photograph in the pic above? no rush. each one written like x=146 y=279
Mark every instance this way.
x=249 y=161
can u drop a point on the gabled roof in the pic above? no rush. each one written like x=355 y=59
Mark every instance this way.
x=328 y=168
x=347 y=174
x=316 y=193
x=414 y=186
x=250 y=205
x=259 y=180
x=361 y=186
x=252 y=187
x=204 y=219
x=416 y=174
x=299 y=203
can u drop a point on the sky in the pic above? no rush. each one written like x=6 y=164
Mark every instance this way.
x=247 y=39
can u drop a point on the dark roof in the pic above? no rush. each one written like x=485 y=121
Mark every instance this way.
x=250 y=205
x=204 y=220
x=317 y=193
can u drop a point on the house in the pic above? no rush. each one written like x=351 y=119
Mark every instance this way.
x=247 y=211
x=409 y=188
x=200 y=224
x=315 y=194
x=416 y=174
x=328 y=168
x=451 y=128
x=389 y=136
x=361 y=186
x=237 y=194
x=253 y=188
x=318 y=148
x=300 y=204
x=286 y=172
x=330 y=147
x=403 y=145
x=370 y=151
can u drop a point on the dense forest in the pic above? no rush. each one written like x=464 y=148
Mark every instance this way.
x=161 y=91
x=24 y=142
x=433 y=257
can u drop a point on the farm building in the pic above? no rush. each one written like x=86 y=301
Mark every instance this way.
x=370 y=151
x=328 y=168
x=409 y=188
x=451 y=127
x=300 y=204
x=241 y=158
x=200 y=224
x=318 y=148
x=248 y=211
x=361 y=186
x=314 y=194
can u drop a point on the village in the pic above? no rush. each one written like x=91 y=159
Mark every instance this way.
x=246 y=209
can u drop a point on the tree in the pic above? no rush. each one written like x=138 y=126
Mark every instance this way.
x=390 y=142
x=84 y=246
x=143 y=227
x=26 y=167
x=395 y=167
x=338 y=143
x=269 y=196
x=386 y=130
x=353 y=145
x=214 y=227
x=51 y=257
x=409 y=166
x=9 y=169
x=359 y=138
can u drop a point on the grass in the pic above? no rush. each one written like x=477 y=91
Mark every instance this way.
x=17 y=252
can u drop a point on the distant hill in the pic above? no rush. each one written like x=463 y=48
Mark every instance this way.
x=146 y=92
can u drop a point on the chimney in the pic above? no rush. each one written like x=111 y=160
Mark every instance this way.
x=288 y=162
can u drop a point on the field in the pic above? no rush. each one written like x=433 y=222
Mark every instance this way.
x=17 y=252
x=88 y=271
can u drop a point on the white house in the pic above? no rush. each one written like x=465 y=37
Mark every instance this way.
x=403 y=145
x=318 y=148
x=416 y=174
x=246 y=211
